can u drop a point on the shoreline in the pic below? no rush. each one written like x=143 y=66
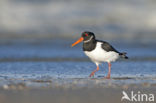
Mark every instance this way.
x=70 y=95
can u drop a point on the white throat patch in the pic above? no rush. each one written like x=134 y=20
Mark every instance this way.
x=88 y=39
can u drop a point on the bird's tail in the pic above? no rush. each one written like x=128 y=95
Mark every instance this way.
x=123 y=55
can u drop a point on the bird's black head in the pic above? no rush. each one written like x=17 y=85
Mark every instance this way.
x=88 y=36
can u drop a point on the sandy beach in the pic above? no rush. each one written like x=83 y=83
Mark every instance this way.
x=75 y=91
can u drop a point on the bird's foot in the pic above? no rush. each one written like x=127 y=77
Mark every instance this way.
x=92 y=74
x=107 y=77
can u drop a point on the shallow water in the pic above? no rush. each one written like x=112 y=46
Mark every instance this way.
x=51 y=60
x=75 y=69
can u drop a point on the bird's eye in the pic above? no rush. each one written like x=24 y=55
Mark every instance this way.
x=86 y=34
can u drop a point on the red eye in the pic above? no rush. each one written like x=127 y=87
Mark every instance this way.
x=86 y=34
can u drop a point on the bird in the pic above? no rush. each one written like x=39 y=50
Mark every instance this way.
x=99 y=51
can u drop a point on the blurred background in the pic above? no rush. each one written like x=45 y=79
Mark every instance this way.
x=126 y=20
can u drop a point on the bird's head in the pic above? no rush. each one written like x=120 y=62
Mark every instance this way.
x=85 y=37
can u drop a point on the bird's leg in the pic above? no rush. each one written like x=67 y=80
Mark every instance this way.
x=92 y=74
x=109 y=71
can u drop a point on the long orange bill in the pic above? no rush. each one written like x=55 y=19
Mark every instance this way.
x=78 y=41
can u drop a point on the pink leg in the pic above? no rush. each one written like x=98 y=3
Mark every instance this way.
x=92 y=74
x=109 y=71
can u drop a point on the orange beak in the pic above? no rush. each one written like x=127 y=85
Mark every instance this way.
x=78 y=41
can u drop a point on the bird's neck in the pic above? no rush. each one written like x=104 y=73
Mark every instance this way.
x=89 y=46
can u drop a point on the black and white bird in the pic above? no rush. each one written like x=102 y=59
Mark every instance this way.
x=99 y=51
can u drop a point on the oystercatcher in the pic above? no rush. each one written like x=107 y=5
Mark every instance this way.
x=99 y=51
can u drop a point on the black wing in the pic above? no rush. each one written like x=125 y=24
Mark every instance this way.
x=107 y=47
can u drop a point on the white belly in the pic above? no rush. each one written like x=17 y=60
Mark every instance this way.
x=99 y=55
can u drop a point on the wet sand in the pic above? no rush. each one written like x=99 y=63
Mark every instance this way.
x=74 y=91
